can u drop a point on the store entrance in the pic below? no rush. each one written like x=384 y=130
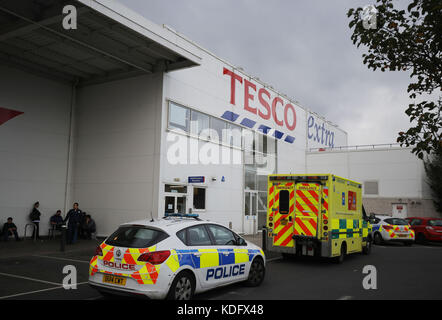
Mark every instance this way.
x=175 y=199
x=250 y=212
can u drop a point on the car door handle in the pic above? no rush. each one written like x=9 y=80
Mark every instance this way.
x=226 y=253
x=197 y=254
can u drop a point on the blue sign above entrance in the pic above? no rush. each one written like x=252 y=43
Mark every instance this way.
x=199 y=179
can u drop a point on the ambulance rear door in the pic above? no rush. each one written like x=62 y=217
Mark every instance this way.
x=307 y=209
x=281 y=212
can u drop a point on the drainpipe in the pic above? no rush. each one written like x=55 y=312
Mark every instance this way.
x=70 y=146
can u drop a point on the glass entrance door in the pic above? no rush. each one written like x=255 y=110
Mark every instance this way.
x=250 y=212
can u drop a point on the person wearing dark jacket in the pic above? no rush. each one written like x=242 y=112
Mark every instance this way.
x=89 y=227
x=35 y=218
x=74 y=218
x=9 y=228
x=56 y=220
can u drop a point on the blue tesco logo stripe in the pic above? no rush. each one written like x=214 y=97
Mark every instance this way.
x=249 y=123
x=230 y=116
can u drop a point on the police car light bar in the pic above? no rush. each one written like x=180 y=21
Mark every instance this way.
x=181 y=215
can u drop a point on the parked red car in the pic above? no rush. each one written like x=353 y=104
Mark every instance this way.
x=426 y=229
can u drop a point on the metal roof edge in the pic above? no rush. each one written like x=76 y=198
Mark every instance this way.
x=132 y=20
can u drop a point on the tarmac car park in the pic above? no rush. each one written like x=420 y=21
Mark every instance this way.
x=174 y=258
x=389 y=229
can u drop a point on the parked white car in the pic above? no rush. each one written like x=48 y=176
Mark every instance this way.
x=174 y=258
x=389 y=229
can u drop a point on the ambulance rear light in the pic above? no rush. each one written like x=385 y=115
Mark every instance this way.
x=325 y=221
x=156 y=257
x=325 y=228
x=98 y=251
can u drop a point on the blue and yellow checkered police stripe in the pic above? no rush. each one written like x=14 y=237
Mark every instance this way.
x=206 y=258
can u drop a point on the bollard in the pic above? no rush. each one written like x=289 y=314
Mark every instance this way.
x=264 y=238
x=63 y=238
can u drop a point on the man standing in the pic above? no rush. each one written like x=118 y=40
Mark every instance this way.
x=74 y=217
x=9 y=228
x=35 y=218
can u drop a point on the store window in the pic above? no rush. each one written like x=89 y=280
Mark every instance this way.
x=179 y=117
x=199 y=124
x=217 y=127
x=234 y=135
x=175 y=188
x=199 y=198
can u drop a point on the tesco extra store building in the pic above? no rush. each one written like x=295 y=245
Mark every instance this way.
x=132 y=120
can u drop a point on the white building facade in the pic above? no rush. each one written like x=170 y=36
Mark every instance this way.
x=184 y=132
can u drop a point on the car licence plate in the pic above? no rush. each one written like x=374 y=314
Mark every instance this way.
x=402 y=235
x=114 y=280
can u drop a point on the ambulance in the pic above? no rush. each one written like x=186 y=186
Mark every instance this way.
x=316 y=215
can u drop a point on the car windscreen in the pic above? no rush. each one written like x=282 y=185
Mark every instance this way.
x=435 y=223
x=136 y=237
x=396 y=221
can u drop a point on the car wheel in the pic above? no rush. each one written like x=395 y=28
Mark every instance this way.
x=256 y=273
x=341 y=257
x=183 y=287
x=367 y=248
x=378 y=239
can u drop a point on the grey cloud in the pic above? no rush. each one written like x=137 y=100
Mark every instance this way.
x=303 y=49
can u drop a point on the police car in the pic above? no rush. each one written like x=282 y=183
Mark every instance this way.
x=389 y=229
x=174 y=258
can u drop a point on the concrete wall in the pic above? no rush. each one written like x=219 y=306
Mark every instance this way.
x=33 y=147
x=117 y=138
x=400 y=175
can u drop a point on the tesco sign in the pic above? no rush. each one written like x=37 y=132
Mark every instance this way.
x=268 y=104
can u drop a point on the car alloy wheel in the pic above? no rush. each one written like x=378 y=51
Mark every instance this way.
x=182 y=287
x=256 y=273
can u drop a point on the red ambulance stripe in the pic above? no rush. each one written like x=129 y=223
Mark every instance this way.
x=300 y=208
x=271 y=203
x=325 y=205
x=313 y=223
x=326 y=192
x=314 y=195
x=272 y=188
x=292 y=208
x=303 y=227
x=277 y=223
x=307 y=202
x=277 y=197
x=282 y=232
x=287 y=240
x=292 y=195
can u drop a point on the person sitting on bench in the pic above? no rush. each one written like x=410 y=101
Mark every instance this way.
x=9 y=229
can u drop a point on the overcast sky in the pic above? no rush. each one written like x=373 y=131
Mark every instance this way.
x=303 y=49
